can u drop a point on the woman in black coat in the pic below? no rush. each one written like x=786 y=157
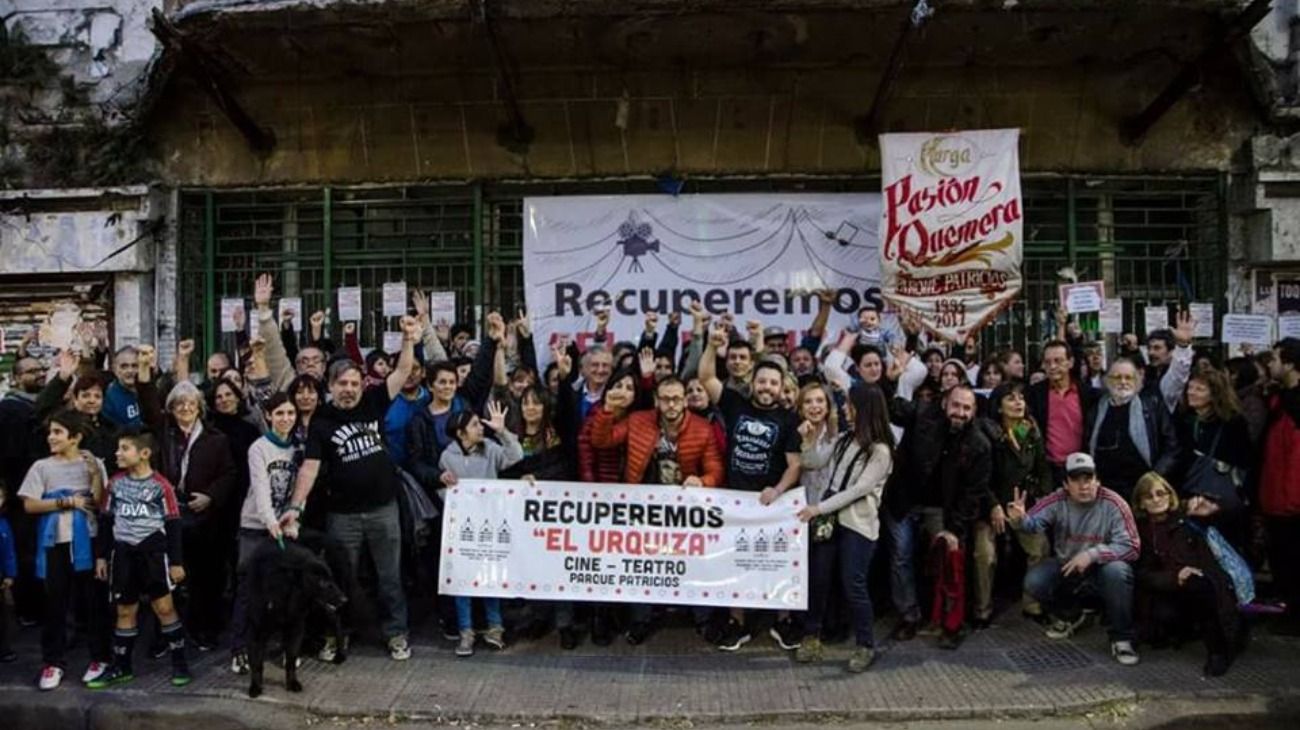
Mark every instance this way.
x=1182 y=590
x=195 y=457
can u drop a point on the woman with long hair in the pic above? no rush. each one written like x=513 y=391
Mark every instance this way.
x=1019 y=462
x=859 y=464
x=1212 y=423
x=535 y=427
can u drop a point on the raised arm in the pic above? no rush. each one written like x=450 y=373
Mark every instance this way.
x=709 y=363
x=405 y=361
x=277 y=360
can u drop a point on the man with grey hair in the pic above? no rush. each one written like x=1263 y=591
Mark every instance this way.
x=1129 y=431
x=347 y=434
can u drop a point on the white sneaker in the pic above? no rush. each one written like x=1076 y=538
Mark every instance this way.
x=466 y=645
x=399 y=649
x=1124 y=653
x=239 y=663
x=93 y=671
x=329 y=651
x=51 y=677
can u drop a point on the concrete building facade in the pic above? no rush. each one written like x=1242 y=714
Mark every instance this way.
x=344 y=142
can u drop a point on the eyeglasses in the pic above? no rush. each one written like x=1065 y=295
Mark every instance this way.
x=1154 y=493
x=1122 y=378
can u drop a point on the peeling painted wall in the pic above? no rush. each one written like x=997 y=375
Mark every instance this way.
x=43 y=232
x=104 y=45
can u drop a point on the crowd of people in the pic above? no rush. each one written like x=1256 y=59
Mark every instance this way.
x=1143 y=494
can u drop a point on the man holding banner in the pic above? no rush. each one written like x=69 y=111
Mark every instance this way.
x=668 y=446
x=759 y=432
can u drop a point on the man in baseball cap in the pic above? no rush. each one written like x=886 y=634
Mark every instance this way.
x=1094 y=540
x=775 y=340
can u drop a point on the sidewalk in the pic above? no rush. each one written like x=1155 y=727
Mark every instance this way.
x=1011 y=670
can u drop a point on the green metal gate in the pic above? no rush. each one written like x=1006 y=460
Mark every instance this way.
x=1152 y=239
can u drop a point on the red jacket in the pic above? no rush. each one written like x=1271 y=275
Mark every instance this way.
x=697 y=449
x=597 y=465
x=1279 y=485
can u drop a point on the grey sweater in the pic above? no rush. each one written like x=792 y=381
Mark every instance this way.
x=857 y=506
x=1104 y=527
x=485 y=462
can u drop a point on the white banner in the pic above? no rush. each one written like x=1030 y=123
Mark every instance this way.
x=758 y=256
x=951 y=223
x=623 y=543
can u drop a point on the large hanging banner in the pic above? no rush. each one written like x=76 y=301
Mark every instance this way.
x=568 y=541
x=759 y=256
x=951 y=223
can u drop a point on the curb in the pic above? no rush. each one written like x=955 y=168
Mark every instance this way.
x=127 y=710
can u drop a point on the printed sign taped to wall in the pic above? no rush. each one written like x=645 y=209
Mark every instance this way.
x=951 y=226
x=620 y=543
x=760 y=256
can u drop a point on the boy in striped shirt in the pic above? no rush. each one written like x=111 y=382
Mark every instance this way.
x=141 y=539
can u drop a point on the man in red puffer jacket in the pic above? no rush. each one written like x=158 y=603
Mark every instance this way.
x=1279 y=485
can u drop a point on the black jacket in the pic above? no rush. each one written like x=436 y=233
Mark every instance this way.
x=422 y=450
x=962 y=462
x=211 y=469
x=1166 y=451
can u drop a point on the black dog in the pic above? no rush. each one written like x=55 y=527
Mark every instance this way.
x=284 y=585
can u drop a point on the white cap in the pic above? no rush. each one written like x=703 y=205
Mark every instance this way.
x=1079 y=462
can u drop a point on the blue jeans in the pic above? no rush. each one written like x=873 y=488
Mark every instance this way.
x=855 y=553
x=902 y=561
x=465 y=612
x=380 y=530
x=1060 y=595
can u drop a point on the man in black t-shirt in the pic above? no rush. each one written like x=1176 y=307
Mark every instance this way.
x=347 y=436
x=763 y=443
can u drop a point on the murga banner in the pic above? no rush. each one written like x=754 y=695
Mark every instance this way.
x=757 y=256
x=568 y=541
x=951 y=226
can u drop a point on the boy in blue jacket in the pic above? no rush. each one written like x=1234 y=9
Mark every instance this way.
x=8 y=572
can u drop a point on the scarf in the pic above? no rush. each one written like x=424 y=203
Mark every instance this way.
x=282 y=443
x=1137 y=427
x=47 y=534
x=189 y=446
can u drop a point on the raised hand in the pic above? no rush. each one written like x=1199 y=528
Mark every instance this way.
x=496 y=416
x=651 y=322
x=646 y=360
x=410 y=328
x=826 y=296
x=718 y=336
x=754 y=328
x=263 y=289
x=349 y=328
x=420 y=303
x=563 y=363
x=1184 y=328
x=238 y=317
x=675 y=319
x=524 y=325
x=700 y=317
x=185 y=348
x=496 y=327
x=1016 y=507
x=317 y=319
x=286 y=318
x=148 y=356
x=602 y=320
x=67 y=364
